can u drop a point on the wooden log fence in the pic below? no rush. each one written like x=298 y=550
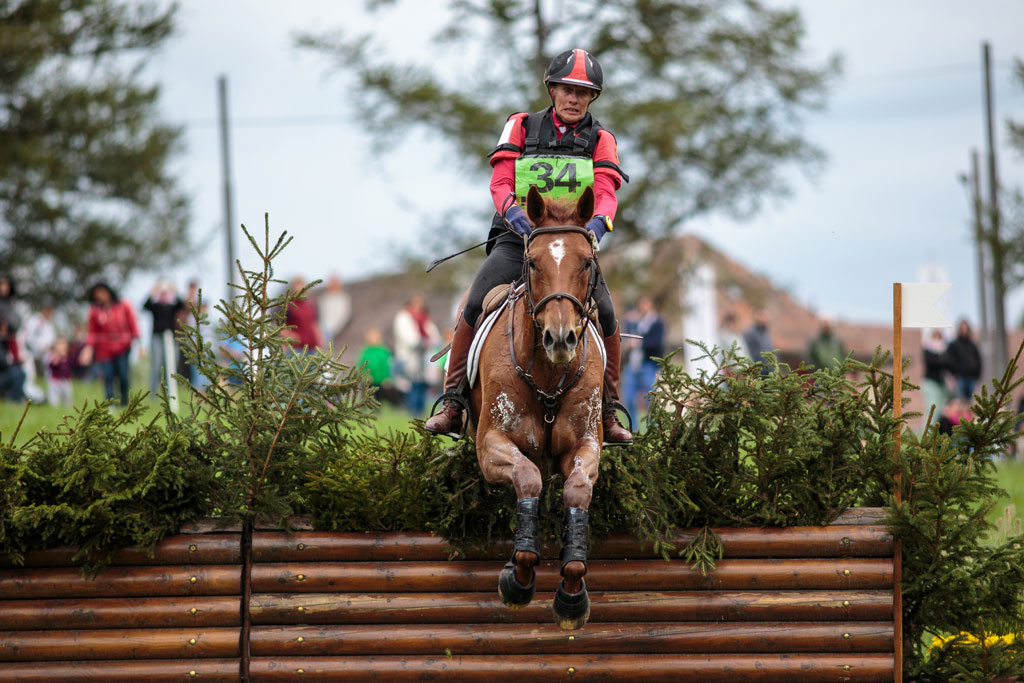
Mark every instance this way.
x=794 y=604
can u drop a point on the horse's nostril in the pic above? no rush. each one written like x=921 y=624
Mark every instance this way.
x=549 y=339
x=570 y=338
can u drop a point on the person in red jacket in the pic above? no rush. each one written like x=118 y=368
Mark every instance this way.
x=561 y=151
x=110 y=331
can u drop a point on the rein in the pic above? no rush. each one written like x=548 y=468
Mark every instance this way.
x=551 y=400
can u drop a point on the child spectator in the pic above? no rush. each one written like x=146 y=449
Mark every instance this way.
x=61 y=369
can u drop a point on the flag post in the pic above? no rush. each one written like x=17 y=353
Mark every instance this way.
x=897 y=413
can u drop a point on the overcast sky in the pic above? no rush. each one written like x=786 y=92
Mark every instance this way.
x=899 y=129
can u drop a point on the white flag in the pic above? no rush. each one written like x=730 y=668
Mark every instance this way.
x=919 y=299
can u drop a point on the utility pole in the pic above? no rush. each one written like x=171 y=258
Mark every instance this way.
x=980 y=241
x=225 y=159
x=999 y=352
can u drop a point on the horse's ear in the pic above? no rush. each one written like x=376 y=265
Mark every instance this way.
x=585 y=205
x=534 y=205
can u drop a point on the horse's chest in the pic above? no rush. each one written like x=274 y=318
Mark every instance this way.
x=522 y=417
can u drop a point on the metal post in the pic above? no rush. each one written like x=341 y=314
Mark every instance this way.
x=999 y=352
x=225 y=156
x=980 y=241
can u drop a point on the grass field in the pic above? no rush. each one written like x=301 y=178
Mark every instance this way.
x=34 y=418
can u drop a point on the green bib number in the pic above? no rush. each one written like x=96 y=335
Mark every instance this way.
x=554 y=177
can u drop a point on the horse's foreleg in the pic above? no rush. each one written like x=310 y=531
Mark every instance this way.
x=503 y=463
x=580 y=467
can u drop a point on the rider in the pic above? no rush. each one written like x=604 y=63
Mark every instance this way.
x=573 y=151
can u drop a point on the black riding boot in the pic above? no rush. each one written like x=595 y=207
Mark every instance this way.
x=614 y=432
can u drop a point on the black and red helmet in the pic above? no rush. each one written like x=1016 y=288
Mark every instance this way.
x=575 y=67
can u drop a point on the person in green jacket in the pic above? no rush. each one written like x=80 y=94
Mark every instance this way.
x=826 y=351
x=375 y=358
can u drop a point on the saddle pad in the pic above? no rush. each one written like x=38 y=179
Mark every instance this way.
x=484 y=329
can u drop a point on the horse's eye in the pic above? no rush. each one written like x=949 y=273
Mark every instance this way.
x=532 y=264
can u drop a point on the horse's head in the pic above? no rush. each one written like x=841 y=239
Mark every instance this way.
x=561 y=271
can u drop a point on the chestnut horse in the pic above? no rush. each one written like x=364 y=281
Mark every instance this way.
x=538 y=400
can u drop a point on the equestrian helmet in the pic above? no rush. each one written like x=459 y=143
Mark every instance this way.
x=575 y=67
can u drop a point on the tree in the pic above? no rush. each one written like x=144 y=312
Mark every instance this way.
x=705 y=97
x=85 y=188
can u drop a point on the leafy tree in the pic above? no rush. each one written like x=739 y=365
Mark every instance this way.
x=705 y=97
x=85 y=189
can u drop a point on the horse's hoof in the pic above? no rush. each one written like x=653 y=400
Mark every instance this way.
x=571 y=609
x=514 y=594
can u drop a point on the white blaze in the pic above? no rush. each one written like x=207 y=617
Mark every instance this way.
x=557 y=249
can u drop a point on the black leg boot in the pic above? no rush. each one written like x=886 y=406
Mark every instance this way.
x=573 y=609
x=513 y=593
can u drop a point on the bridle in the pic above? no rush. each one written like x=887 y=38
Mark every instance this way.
x=585 y=310
x=551 y=400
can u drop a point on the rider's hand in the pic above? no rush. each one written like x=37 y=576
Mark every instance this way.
x=599 y=226
x=516 y=217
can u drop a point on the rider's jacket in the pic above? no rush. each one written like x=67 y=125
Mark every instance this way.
x=542 y=134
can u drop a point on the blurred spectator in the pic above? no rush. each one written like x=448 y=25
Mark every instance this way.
x=40 y=335
x=182 y=318
x=12 y=374
x=164 y=304
x=758 y=339
x=9 y=308
x=376 y=358
x=335 y=307
x=76 y=344
x=416 y=336
x=826 y=351
x=59 y=368
x=936 y=364
x=306 y=334
x=641 y=371
x=111 y=329
x=957 y=410
x=729 y=334
x=964 y=361
x=16 y=312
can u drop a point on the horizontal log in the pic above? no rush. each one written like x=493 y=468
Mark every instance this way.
x=831 y=541
x=821 y=668
x=605 y=575
x=127 y=671
x=174 y=550
x=157 y=643
x=213 y=525
x=511 y=639
x=120 y=582
x=875 y=516
x=478 y=608
x=81 y=613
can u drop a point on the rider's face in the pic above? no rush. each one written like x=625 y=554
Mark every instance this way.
x=571 y=101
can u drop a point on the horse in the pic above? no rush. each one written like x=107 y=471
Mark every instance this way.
x=538 y=399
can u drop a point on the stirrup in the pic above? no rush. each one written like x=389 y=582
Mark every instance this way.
x=458 y=398
x=613 y=407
